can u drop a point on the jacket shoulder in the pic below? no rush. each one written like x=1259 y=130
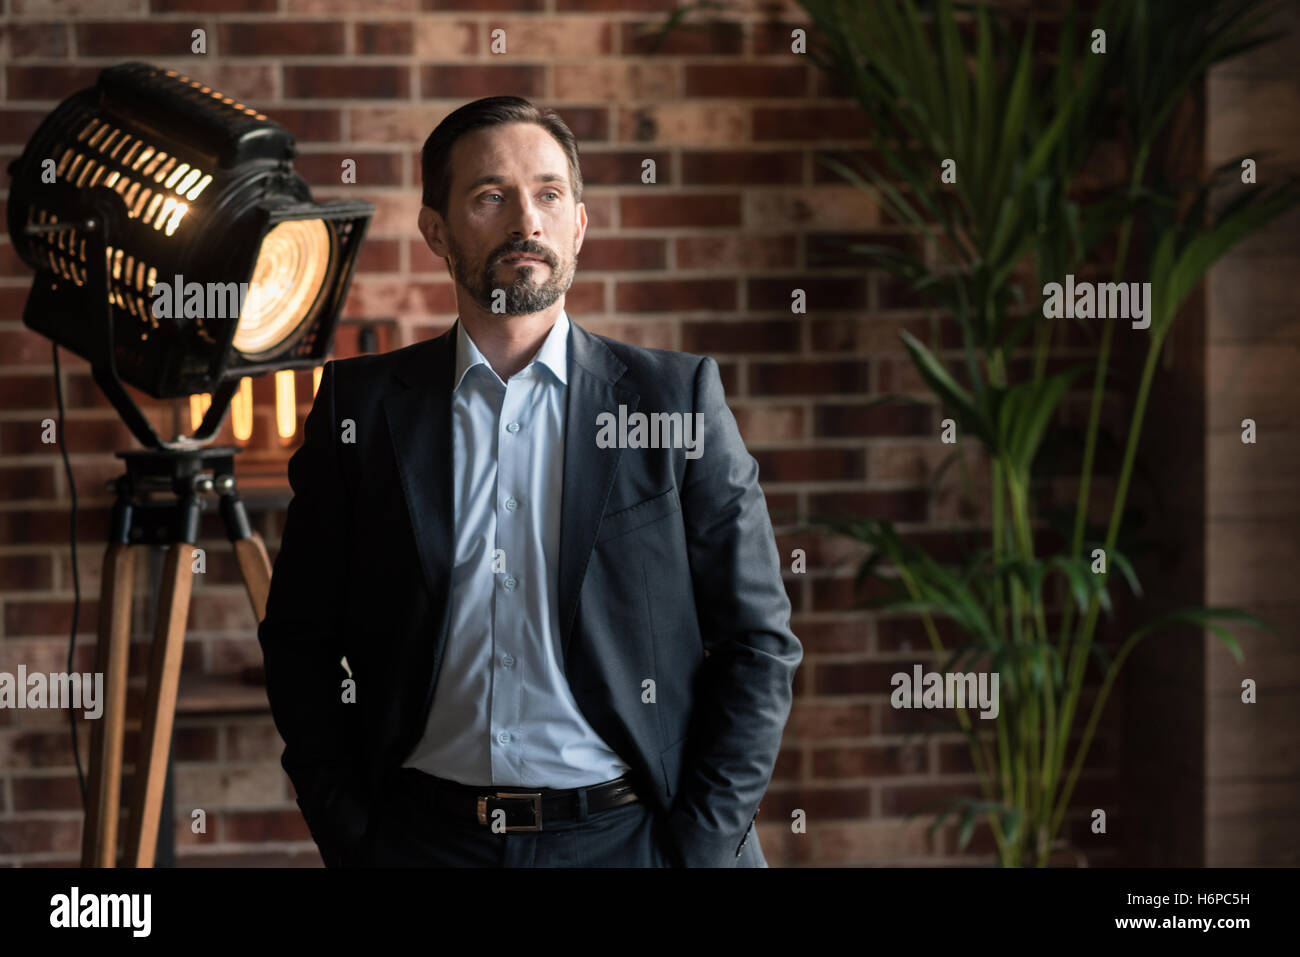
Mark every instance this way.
x=650 y=370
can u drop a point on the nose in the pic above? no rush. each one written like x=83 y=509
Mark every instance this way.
x=527 y=222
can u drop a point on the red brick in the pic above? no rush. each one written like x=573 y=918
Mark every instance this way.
x=821 y=804
x=788 y=763
x=871 y=761
x=46 y=794
x=849 y=421
x=675 y=295
x=773 y=37
x=803 y=124
x=36 y=835
x=373 y=169
x=27 y=573
x=831 y=637
x=899 y=633
x=380 y=256
x=647 y=38
x=899 y=800
x=585 y=297
x=856 y=678
x=740 y=167
x=135 y=38
x=735 y=81
x=841 y=594
x=280 y=39
x=194 y=744
x=821 y=294
x=614 y=6
x=54 y=617
x=25 y=392
x=784 y=505
x=600 y=211
x=388 y=38
x=347 y=82
x=311 y=125
x=899 y=505
x=832 y=249
x=680 y=209
x=864 y=335
x=815 y=721
x=623 y=168
x=213 y=6
x=248 y=741
x=741 y=253
x=618 y=253
x=811 y=378
x=769 y=423
x=588 y=123
x=514 y=6
x=48 y=82
x=770 y=335
x=894 y=293
x=464 y=82
x=41 y=749
x=17 y=126
x=806 y=465
x=257 y=826
x=31 y=40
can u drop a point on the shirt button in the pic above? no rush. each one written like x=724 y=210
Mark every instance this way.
x=511 y=504
x=504 y=737
x=512 y=428
x=508 y=660
x=510 y=583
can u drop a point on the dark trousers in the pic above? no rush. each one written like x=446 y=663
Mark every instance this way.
x=407 y=832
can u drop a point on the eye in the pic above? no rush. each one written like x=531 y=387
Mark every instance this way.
x=486 y=195
x=551 y=192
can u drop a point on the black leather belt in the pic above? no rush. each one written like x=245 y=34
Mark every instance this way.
x=524 y=810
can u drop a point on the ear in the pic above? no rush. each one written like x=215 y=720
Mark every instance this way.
x=580 y=228
x=433 y=230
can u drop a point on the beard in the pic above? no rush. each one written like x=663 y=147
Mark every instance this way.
x=521 y=292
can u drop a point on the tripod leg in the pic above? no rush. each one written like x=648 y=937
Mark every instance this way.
x=160 y=704
x=104 y=789
x=255 y=566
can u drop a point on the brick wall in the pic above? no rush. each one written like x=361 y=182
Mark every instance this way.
x=703 y=261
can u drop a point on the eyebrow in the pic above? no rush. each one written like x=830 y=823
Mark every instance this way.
x=496 y=180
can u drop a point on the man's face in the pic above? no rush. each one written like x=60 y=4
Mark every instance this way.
x=512 y=233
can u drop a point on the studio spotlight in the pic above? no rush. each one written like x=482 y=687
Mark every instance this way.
x=176 y=251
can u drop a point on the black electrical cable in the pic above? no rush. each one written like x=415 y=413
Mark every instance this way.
x=76 y=577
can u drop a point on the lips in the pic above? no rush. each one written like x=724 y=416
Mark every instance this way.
x=525 y=259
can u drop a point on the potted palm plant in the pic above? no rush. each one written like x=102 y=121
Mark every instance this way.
x=982 y=138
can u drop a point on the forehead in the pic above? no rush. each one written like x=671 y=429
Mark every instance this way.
x=506 y=149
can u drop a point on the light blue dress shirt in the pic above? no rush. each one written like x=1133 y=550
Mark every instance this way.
x=502 y=712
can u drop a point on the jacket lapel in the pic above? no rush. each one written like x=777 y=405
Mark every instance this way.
x=588 y=470
x=419 y=420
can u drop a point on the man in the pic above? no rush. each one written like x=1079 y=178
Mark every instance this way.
x=565 y=634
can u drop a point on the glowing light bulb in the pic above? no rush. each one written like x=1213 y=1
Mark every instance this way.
x=241 y=410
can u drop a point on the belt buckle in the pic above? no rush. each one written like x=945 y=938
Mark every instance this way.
x=535 y=796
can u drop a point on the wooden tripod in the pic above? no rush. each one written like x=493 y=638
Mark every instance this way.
x=138 y=522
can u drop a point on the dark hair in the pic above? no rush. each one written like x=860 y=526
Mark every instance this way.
x=435 y=158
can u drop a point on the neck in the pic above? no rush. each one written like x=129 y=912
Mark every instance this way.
x=509 y=342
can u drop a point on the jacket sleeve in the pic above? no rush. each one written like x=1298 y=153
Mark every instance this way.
x=301 y=641
x=743 y=694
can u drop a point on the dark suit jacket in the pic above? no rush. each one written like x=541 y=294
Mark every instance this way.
x=668 y=570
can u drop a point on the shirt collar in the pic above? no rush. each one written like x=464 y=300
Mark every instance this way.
x=553 y=354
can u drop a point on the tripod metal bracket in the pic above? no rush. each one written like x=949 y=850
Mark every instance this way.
x=162 y=495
